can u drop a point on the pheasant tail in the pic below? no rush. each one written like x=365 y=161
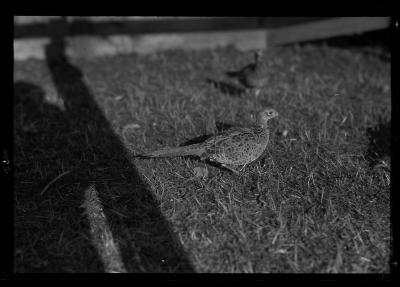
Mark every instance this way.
x=196 y=149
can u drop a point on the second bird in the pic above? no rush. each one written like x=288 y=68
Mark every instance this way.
x=252 y=76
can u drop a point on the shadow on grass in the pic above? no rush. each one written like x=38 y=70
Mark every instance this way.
x=379 y=142
x=226 y=88
x=81 y=140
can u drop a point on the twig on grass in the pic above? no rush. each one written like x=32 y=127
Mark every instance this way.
x=54 y=180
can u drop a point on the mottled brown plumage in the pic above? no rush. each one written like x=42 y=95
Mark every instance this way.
x=233 y=147
x=252 y=76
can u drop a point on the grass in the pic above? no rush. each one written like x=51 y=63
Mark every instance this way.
x=318 y=202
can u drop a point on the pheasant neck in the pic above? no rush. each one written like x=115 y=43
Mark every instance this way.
x=262 y=134
x=262 y=123
x=262 y=127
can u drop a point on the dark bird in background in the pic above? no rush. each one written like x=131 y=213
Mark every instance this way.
x=253 y=76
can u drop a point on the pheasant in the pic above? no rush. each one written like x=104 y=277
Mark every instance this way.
x=233 y=147
x=252 y=76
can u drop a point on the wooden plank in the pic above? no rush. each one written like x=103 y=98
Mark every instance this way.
x=277 y=22
x=29 y=48
x=23 y=20
x=242 y=40
x=89 y=46
x=83 y=26
x=325 y=29
x=104 y=26
x=121 y=39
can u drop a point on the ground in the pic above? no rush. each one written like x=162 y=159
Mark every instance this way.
x=319 y=200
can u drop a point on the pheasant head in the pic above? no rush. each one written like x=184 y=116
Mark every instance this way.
x=264 y=116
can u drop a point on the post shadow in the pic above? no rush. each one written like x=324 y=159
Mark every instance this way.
x=81 y=139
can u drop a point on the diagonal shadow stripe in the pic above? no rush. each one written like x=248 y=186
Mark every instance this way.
x=84 y=141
